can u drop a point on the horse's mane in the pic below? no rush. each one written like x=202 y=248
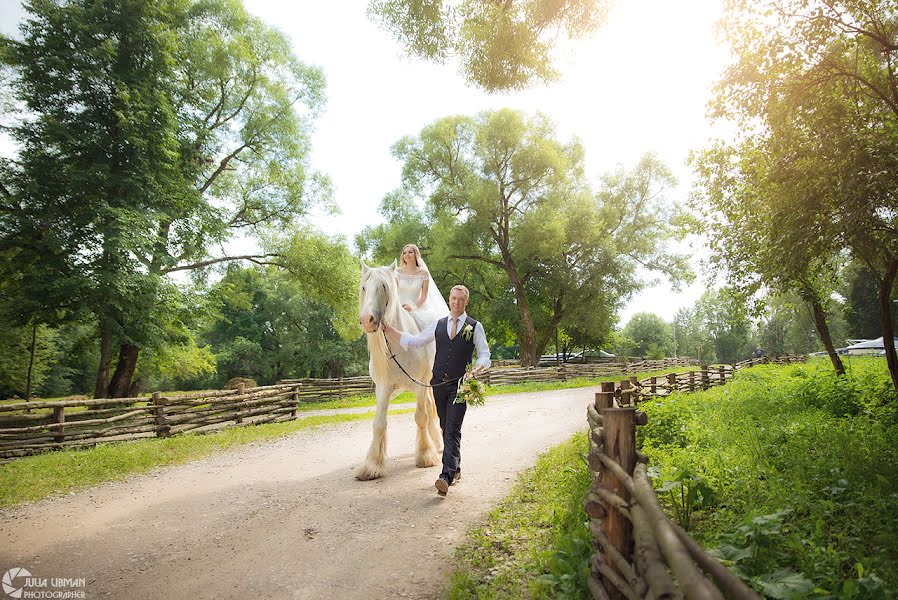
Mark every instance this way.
x=394 y=315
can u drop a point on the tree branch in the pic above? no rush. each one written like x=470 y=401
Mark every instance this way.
x=222 y=166
x=488 y=261
x=259 y=259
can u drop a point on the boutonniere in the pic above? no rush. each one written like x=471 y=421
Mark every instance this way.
x=467 y=333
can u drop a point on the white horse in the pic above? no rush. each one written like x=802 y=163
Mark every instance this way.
x=379 y=302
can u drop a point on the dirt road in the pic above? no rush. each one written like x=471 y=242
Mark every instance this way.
x=287 y=519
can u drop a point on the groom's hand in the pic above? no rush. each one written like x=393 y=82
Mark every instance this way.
x=391 y=331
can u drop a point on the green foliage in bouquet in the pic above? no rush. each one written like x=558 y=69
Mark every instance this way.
x=471 y=390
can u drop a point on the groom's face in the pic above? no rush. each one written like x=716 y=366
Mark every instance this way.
x=457 y=302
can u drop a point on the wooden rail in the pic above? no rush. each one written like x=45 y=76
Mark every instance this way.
x=38 y=426
x=641 y=552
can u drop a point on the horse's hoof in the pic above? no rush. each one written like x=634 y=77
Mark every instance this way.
x=427 y=459
x=367 y=474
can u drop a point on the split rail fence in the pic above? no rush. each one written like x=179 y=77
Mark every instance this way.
x=641 y=552
x=38 y=426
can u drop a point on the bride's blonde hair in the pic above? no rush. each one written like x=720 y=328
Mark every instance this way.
x=419 y=262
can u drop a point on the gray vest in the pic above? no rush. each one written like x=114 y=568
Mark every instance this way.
x=452 y=355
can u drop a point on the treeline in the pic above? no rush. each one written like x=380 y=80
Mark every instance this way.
x=721 y=328
x=150 y=135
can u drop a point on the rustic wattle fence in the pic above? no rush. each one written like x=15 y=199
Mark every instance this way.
x=641 y=552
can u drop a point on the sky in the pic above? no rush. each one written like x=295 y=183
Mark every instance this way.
x=640 y=83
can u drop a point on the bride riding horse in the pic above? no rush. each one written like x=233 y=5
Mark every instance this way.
x=379 y=302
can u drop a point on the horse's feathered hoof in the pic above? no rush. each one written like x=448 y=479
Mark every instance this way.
x=427 y=459
x=369 y=472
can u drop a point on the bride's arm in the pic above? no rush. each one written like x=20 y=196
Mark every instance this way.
x=422 y=297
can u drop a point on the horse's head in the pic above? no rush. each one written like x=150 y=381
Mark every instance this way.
x=378 y=296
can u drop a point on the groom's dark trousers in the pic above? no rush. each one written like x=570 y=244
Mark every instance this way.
x=451 y=417
x=452 y=357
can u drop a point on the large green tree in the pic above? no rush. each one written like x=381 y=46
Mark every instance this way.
x=154 y=131
x=512 y=213
x=500 y=45
x=815 y=85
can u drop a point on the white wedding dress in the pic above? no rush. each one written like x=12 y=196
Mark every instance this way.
x=434 y=306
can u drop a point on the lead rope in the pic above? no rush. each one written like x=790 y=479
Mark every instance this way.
x=401 y=368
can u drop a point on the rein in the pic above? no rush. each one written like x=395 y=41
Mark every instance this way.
x=401 y=368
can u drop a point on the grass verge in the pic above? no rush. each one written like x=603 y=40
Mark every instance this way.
x=35 y=477
x=536 y=543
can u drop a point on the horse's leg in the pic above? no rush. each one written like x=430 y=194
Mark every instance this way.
x=376 y=462
x=425 y=451
x=433 y=422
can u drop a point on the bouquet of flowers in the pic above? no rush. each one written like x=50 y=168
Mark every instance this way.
x=470 y=390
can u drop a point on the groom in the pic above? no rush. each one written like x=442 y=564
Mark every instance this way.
x=456 y=335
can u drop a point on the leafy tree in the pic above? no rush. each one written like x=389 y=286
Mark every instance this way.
x=26 y=354
x=742 y=195
x=862 y=307
x=514 y=216
x=155 y=131
x=815 y=83
x=651 y=335
x=501 y=45
x=692 y=337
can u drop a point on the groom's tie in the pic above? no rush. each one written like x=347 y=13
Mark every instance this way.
x=454 y=328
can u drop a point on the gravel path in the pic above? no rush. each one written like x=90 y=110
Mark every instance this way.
x=286 y=518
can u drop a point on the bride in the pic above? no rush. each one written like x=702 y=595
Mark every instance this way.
x=417 y=291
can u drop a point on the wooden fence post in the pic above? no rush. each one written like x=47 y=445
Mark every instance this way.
x=625 y=392
x=59 y=417
x=241 y=388
x=653 y=386
x=605 y=398
x=294 y=400
x=691 y=381
x=706 y=378
x=163 y=429
x=672 y=382
x=620 y=446
x=723 y=374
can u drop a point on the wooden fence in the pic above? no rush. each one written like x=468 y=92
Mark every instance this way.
x=641 y=552
x=33 y=427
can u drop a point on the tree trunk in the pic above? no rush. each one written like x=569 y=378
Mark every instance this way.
x=31 y=362
x=105 y=356
x=121 y=379
x=529 y=354
x=885 y=319
x=823 y=331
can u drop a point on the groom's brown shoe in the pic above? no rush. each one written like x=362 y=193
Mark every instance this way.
x=442 y=486
x=457 y=477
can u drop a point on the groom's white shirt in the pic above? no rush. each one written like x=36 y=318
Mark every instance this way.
x=428 y=334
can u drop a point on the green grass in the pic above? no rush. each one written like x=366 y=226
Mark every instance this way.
x=35 y=477
x=793 y=473
x=536 y=543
